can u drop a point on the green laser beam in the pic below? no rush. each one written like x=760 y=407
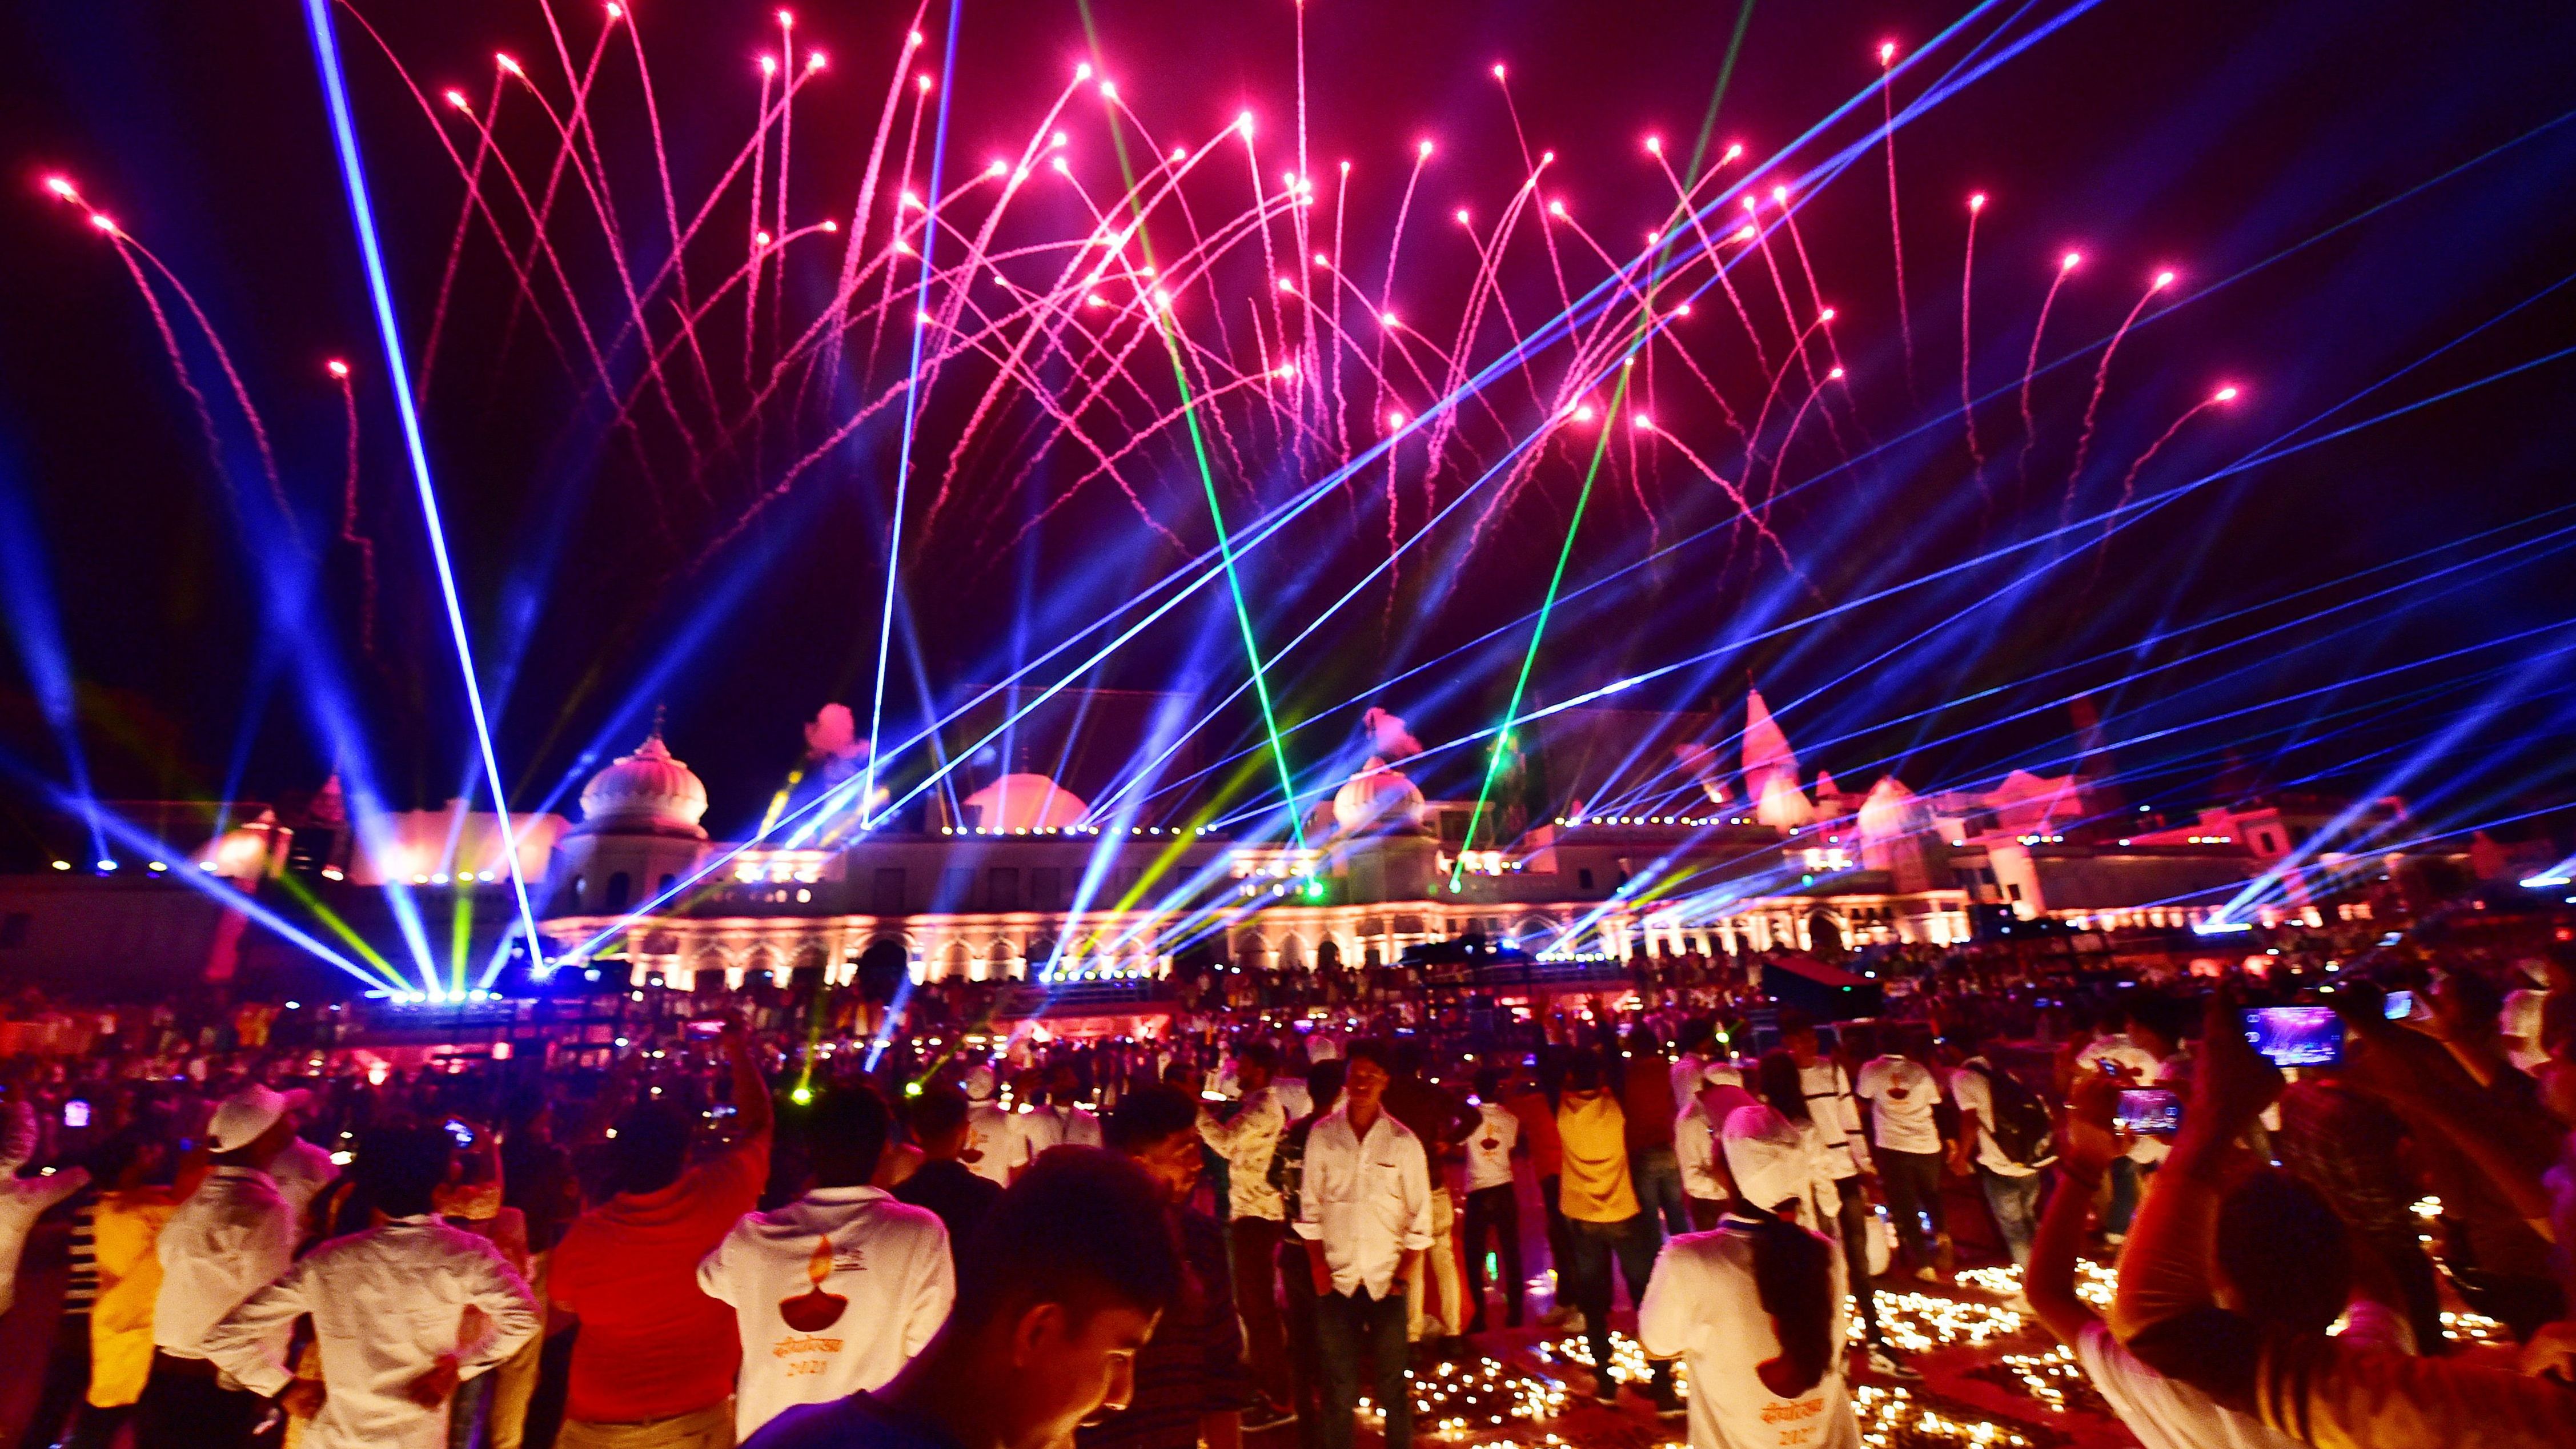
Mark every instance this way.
x=1600 y=449
x=1547 y=606
x=1207 y=475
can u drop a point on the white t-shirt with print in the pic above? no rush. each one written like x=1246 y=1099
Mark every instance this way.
x=1702 y=1306
x=991 y=1139
x=831 y=1294
x=1900 y=1094
x=1489 y=1148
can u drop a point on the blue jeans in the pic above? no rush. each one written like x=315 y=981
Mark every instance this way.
x=1633 y=1242
x=1657 y=1175
x=1346 y=1325
x=2015 y=1203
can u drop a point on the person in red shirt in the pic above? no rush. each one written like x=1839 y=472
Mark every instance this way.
x=654 y=1365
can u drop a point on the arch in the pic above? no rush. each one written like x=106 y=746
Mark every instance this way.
x=960 y=962
x=621 y=886
x=1292 y=952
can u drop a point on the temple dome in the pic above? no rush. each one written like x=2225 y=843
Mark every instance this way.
x=1889 y=811
x=645 y=791
x=1379 y=798
x=1024 y=802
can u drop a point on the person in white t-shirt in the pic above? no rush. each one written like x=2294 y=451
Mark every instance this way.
x=1705 y=1185
x=1055 y=1122
x=1493 y=1203
x=2142 y=1053
x=1905 y=1137
x=2281 y=1252
x=990 y=1136
x=2011 y=1188
x=834 y=1292
x=1756 y=1308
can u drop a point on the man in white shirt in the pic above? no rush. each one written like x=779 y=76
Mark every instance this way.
x=233 y=1236
x=1692 y=1054
x=1365 y=1213
x=1905 y=1138
x=1056 y=1122
x=302 y=1169
x=1493 y=1203
x=990 y=1136
x=1704 y=1306
x=402 y=1312
x=833 y=1292
x=1256 y=1224
x=1836 y=1115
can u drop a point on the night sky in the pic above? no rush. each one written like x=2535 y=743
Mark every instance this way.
x=2365 y=204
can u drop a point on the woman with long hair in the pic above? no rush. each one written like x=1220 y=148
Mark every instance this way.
x=1756 y=1307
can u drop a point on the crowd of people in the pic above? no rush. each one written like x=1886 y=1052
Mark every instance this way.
x=797 y=1225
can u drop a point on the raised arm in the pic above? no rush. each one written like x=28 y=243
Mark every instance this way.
x=751 y=1105
x=2086 y=1146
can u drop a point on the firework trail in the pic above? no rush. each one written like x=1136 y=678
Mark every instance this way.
x=2129 y=480
x=349 y=534
x=1895 y=230
x=1043 y=298
x=2066 y=266
x=1967 y=392
x=2101 y=380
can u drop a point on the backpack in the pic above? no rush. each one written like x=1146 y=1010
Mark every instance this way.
x=2022 y=1127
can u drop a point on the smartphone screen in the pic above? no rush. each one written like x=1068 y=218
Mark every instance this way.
x=2149 y=1112
x=2401 y=1005
x=76 y=1113
x=708 y=1029
x=462 y=1134
x=2295 y=1036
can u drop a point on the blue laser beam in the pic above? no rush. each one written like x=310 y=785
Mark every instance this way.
x=911 y=420
x=326 y=58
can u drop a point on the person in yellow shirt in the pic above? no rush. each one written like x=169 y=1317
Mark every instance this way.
x=125 y=1229
x=1603 y=1220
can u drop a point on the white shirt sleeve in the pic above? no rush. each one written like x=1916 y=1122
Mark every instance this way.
x=715 y=1270
x=510 y=1311
x=1417 y=1195
x=1853 y=1137
x=1667 y=1319
x=933 y=1292
x=242 y=1342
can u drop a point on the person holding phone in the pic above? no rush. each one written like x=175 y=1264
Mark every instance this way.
x=2176 y=1314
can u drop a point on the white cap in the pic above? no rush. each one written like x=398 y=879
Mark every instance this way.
x=979 y=1083
x=243 y=1117
x=1767 y=1156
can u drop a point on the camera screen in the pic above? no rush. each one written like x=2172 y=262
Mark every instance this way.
x=2401 y=1005
x=2149 y=1111
x=2296 y=1036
